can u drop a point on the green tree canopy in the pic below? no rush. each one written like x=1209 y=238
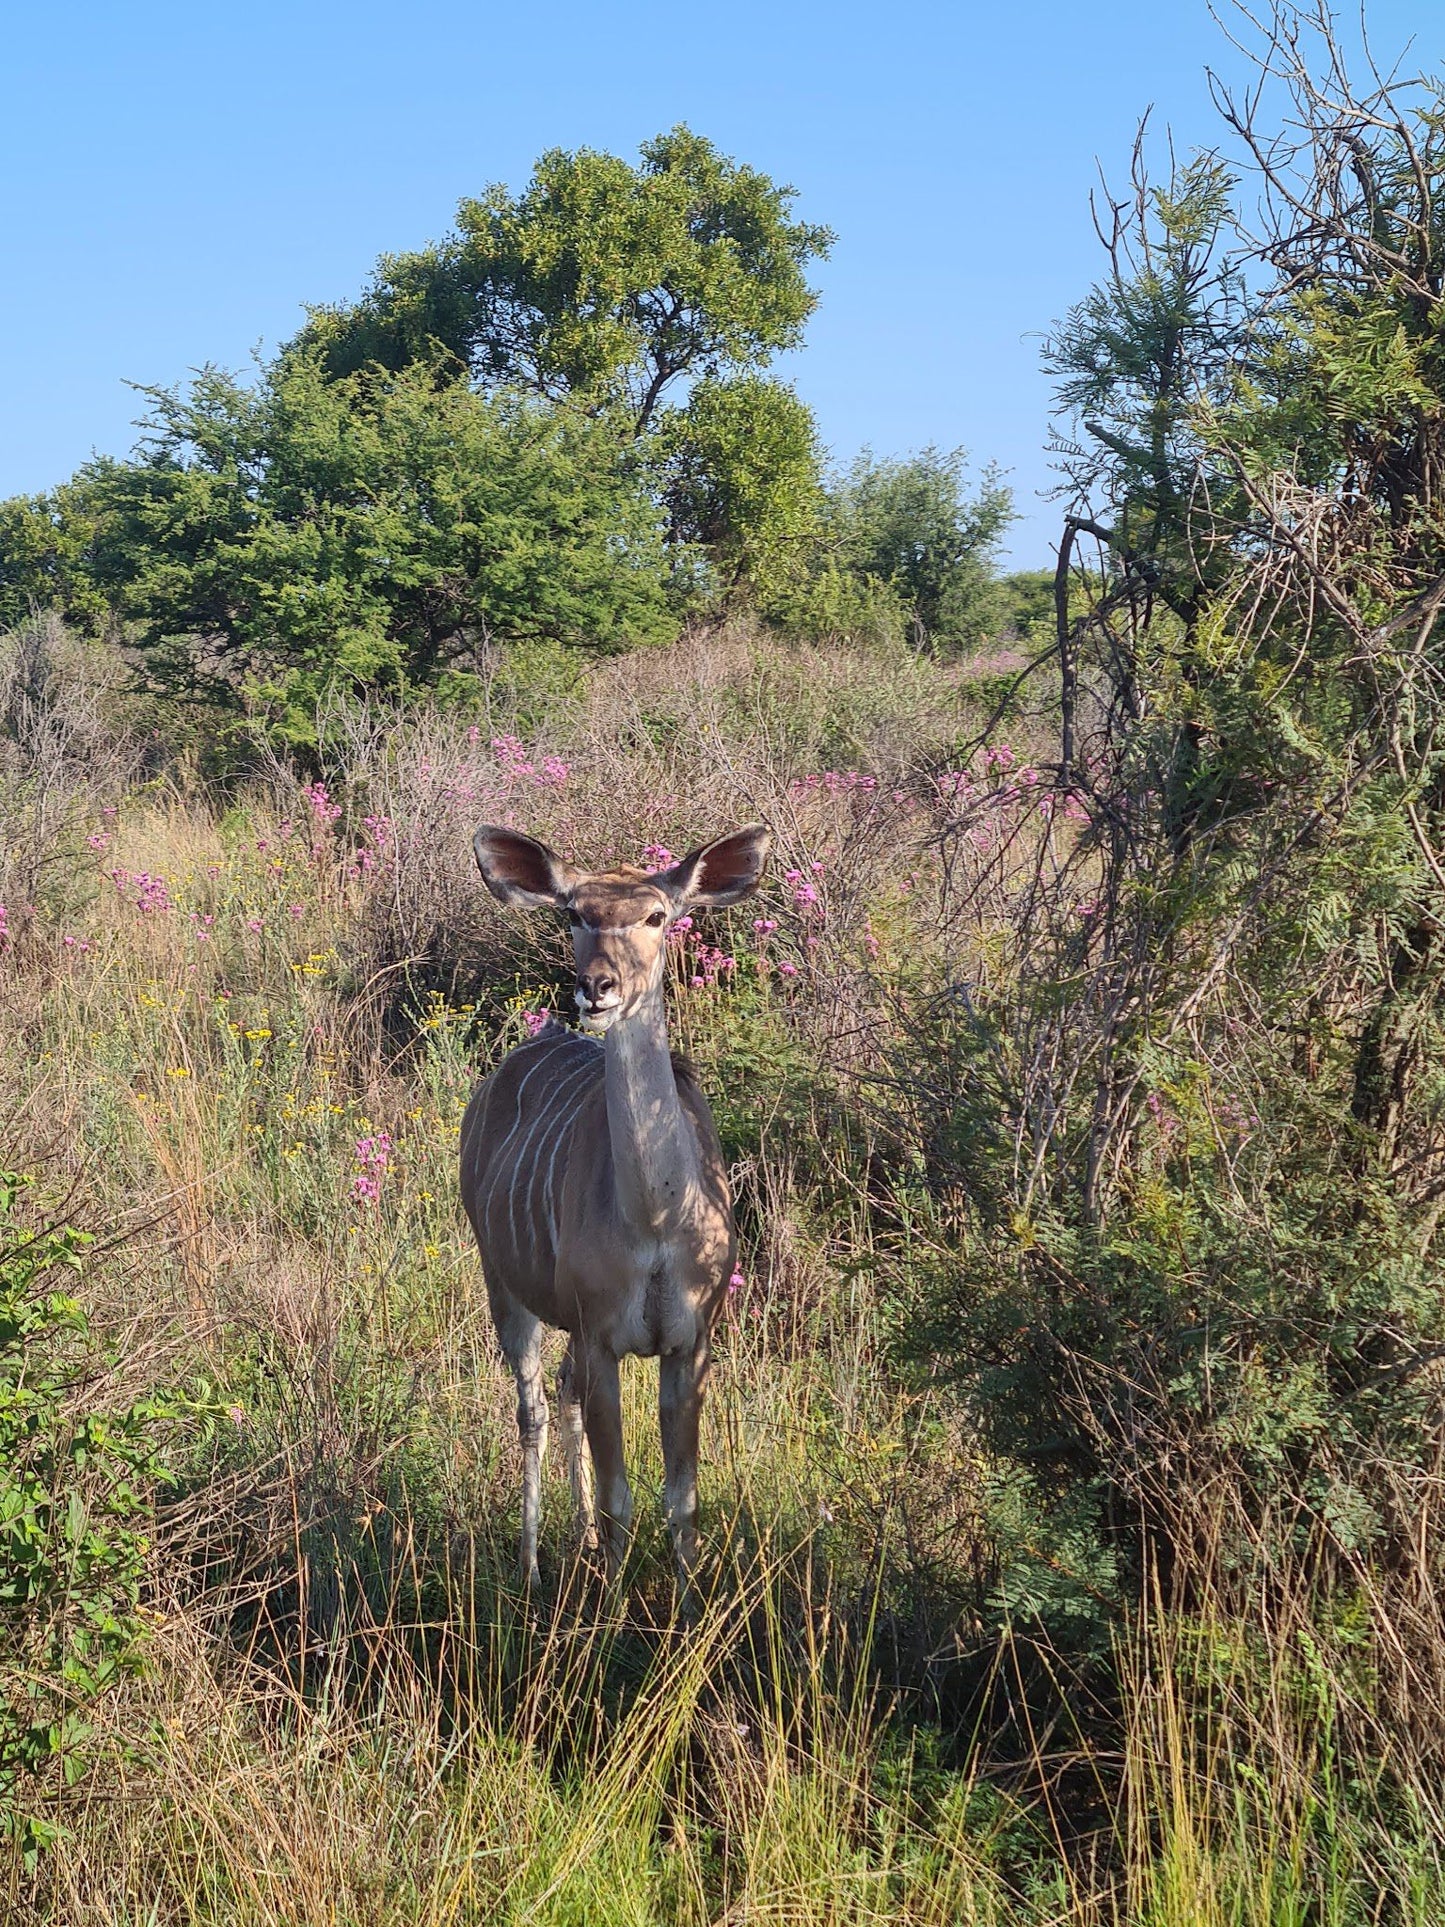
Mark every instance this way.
x=374 y=531
x=742 y=478
x=602 y=282
x=911 y=527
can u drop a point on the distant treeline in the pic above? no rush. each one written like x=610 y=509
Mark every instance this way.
x=553 y=427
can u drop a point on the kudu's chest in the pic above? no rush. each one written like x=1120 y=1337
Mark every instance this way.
x=626 y=1244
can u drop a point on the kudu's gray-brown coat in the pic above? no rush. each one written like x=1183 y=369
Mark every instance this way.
x=593 y=1178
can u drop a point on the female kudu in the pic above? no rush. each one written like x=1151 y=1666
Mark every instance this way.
x=594 y=1180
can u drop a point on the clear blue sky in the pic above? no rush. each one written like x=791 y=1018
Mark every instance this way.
x=180 y=178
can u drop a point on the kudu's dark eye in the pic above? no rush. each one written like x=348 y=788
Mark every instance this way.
x=657 y=920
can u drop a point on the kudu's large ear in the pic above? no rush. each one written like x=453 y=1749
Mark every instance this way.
x=520 y=871
x=721 y=872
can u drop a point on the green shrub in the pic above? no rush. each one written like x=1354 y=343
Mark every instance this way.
x=75 y=1478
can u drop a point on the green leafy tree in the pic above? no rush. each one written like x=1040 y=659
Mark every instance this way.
x=1154 y=342
x=1026 y=598
x=1202 y=1123
x=742 y=478
x=481 y=449
x=375 y=532
x=601 y=282
x=910 y=529
x=45 y=554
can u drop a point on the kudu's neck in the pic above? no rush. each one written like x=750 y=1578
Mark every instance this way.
x=654 y=1155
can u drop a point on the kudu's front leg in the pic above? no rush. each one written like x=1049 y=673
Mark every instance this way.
x=520 y=1335
x=680 y=1382
x=600 y=1390
x=579 y=1471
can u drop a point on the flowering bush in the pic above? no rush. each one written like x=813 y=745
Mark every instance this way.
x=151 y=893
x=324 y=812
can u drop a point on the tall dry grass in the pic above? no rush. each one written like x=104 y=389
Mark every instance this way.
x=347 y=1713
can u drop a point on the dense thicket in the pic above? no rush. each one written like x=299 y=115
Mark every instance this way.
x=1203 y=1123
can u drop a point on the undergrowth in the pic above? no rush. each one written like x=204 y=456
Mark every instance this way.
x=242 y=1025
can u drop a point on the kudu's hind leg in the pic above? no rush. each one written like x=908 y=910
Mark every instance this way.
x=520 y=1336
x=579 y=1470
x=680 y=1380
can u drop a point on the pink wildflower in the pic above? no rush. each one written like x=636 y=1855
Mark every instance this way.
x=536 y=1021
x=709 y=965
x=151 y=896
x=373 y=1155
x=511 y=753
x=323 y=810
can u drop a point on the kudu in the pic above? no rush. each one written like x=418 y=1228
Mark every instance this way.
x=594 y=1181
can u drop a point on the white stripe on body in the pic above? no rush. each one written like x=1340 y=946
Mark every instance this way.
x=556 y=1105
x=564 y=1125
x=520 y=1169
x=484 y=1210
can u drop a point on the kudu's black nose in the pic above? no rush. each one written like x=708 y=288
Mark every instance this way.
x=596 y=984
